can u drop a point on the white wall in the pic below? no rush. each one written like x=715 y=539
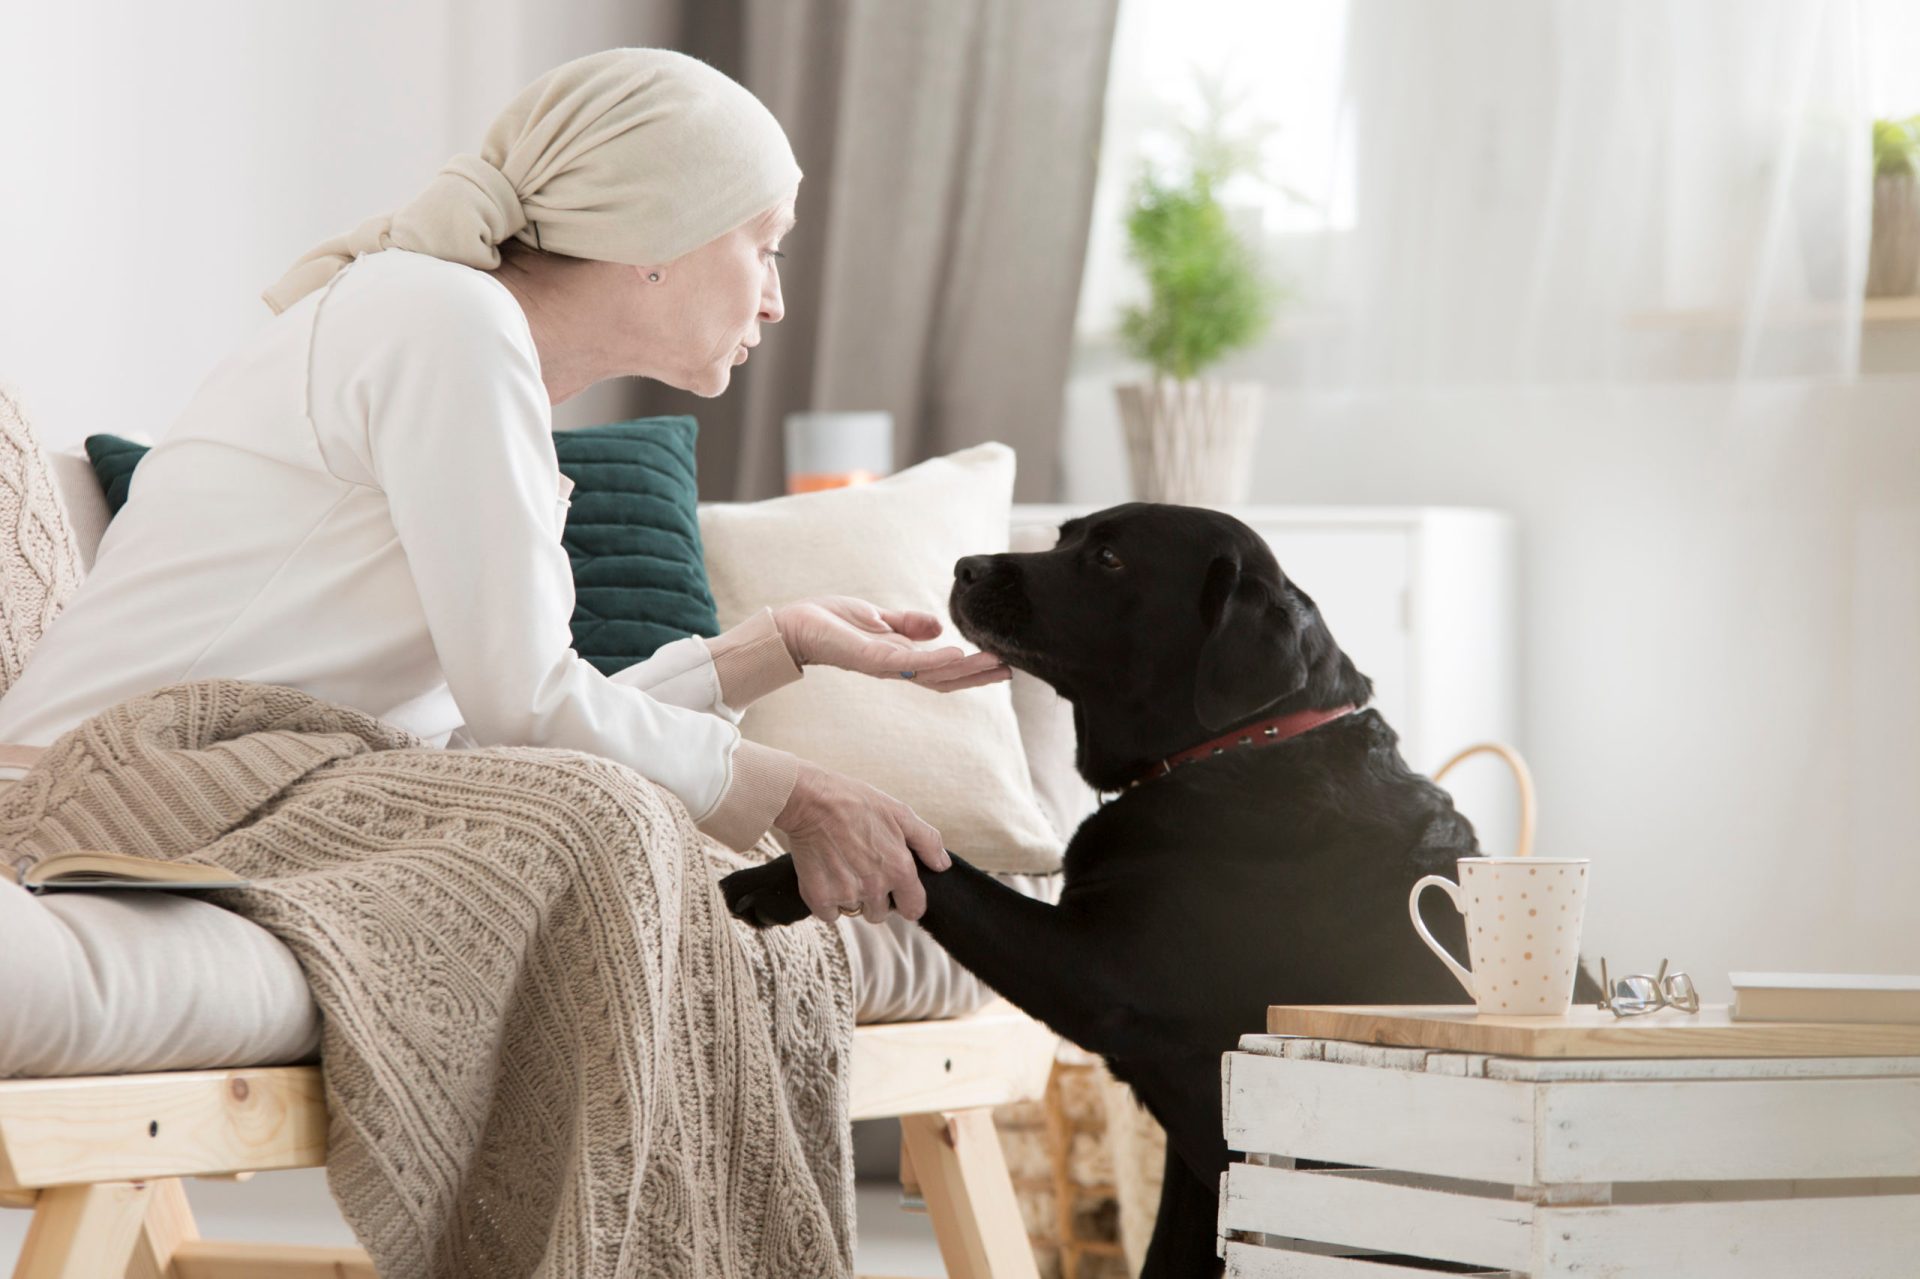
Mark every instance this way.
x=164 y=163
x=1720 y=623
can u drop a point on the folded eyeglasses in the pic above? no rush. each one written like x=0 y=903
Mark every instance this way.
x=1639 y=993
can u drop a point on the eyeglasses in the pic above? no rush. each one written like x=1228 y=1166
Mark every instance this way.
x=1639 y=993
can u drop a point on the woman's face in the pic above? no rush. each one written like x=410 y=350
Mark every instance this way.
x=709 y=305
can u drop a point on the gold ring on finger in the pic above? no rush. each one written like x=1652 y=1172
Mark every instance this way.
x=857 y=908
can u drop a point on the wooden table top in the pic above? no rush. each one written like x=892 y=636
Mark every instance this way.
x=1589 y=1032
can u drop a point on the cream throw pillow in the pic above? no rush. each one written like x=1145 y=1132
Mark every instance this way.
x=955 y=758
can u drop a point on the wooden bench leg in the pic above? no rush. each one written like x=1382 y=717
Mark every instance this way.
x=83 y=1232
x=963 y=1175
x=219 y=1259
x=168 y=1224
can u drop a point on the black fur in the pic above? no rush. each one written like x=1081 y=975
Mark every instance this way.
x=1273 y=874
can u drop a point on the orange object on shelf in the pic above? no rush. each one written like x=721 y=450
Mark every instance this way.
x=813 y=482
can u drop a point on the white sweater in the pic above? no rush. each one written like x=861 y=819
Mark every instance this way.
x=363 y=502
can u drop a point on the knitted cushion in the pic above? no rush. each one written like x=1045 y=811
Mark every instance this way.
x=39 y=556
x=632 y=533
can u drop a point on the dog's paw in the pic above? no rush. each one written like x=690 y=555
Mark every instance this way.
x=766 y=896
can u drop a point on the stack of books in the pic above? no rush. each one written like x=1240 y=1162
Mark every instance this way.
x=1841 y=997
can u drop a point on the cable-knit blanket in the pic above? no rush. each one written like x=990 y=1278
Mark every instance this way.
x=548 y=1048
x=39 y=559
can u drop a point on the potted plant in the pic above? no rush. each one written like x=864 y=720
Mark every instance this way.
x=1190 y=439
x=1893 y=257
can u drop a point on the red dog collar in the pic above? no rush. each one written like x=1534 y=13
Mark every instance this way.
x=1264 y=733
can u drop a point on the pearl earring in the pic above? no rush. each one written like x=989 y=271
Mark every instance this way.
x=654 y=276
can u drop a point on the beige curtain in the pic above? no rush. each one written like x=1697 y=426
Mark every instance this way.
x=949 y=147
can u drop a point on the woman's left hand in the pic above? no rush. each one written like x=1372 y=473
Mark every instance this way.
x=838 y=630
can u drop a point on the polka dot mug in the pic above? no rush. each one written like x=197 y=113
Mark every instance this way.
x=1523 y=930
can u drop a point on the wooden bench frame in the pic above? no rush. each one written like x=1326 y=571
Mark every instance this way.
x=99 y=1158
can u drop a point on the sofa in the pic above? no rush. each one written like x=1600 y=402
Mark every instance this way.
x=191 y=996
x=165 y=982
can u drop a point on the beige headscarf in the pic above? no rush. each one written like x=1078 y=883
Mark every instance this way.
x=630 y=155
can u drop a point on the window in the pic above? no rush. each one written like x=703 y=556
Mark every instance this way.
x=1282 y=62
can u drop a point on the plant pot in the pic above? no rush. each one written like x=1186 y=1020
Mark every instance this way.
x=1190 y=442
x=1893 y=257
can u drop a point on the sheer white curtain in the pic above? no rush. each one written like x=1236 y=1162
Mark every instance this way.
x=1561 y=190
x=1523 y=191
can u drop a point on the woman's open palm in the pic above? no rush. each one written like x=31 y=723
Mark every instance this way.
x=854 y=635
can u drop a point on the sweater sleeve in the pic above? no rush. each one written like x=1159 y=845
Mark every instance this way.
x=723 y=675
x=458 y=435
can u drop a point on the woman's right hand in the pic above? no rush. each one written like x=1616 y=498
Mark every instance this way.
x=852 y=843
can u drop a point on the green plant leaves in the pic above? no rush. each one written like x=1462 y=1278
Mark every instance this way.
x=1896 y=147
x=1206 y=295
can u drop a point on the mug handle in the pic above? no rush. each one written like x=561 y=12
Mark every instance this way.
x=1464 y=977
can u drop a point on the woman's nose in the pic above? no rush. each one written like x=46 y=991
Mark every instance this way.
x=772 y=305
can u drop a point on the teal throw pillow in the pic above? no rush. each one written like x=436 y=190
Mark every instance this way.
x=633 y=533
x=113 y=461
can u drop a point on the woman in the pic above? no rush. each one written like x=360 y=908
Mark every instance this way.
x=363 y=501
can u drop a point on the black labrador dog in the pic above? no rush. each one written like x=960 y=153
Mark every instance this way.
x=1274 y=870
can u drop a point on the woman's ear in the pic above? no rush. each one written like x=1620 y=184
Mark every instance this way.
x=1253 y=655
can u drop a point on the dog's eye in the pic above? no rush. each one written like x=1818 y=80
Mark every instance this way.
x=1107 y=558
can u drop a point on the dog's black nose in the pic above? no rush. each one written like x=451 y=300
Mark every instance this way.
x=972 y=568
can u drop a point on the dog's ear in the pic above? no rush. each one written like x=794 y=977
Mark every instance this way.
x=1254 y=654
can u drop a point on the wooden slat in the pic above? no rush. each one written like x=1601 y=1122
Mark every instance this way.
x=1377 y=1215
x=1754 y=1239
x=1251 y=1261
x=1728 y=1130
x=963 y=1175
x=210 y=1259
x=83 y=1232
x=167 y=1225
x=1590 y=1032
x=145 y=1127
x=995 y=1056
x=138 y=1127
x=1623 y=1069
x=1473 y=1128
x=1548 y=1069
x=1747 y=1239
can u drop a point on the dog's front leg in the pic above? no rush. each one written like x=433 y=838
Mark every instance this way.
x=1046 y=960
x=1052 y=962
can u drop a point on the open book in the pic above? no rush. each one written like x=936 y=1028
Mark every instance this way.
x=85 y=868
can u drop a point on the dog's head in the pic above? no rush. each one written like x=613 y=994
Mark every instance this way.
x=1163 y=625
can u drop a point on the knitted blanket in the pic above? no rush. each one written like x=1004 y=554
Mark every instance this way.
x=548 y=1049
x=39 y=561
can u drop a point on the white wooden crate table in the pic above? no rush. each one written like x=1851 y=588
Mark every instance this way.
x=1379 y=1141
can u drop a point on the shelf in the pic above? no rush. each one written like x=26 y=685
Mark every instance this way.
x=1874 y=313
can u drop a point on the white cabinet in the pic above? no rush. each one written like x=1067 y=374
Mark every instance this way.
x=1423 y=600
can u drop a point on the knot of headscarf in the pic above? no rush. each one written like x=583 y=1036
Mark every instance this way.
x=629 y=155
x=464 y=216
